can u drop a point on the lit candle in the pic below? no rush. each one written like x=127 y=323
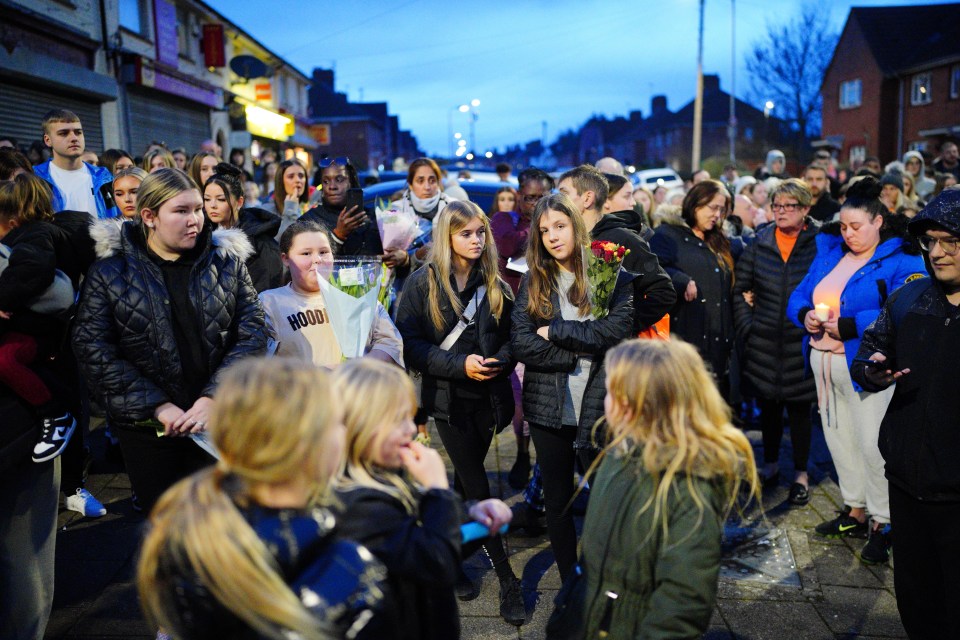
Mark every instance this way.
x=823 y=312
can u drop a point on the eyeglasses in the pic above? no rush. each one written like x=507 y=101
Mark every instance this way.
x=950 y=246
x=789 y=207
x=343 y=161
x=717 y=208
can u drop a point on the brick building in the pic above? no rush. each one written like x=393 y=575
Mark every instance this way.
x=894 y=83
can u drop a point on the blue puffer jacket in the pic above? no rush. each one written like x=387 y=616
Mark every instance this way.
x=101 y=178
x=893 y=264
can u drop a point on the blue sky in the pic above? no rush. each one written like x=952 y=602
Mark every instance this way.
x=527 y=61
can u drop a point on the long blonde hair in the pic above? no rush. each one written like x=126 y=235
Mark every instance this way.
x=375 y=397
x=454 y=217
x=271 y=417
x=667 y=410
x=542 y=277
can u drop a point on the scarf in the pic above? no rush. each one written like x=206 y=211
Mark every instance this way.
x=423 y=206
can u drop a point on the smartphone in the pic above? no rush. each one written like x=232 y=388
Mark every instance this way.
x=872 y=364
x=493 y=364
x=354 y=198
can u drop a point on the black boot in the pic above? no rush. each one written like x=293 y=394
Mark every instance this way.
x=512 y=609
x=520 y=473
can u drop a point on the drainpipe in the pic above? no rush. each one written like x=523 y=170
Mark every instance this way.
x=900 y=109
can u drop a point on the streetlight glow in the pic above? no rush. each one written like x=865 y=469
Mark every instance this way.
x=769 y=105
x=464 y=108
x=461 y=143
x=475 y=102
x=457 y=135
x=469 y=156
x=488 y=154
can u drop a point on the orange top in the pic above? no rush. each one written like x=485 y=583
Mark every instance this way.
x=785 y=243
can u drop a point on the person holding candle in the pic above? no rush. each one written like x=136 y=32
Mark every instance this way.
x=860 y=261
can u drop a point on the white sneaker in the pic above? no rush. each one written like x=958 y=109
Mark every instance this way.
x=84 y=502
x=55 y=436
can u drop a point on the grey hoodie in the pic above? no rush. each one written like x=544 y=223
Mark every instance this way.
x=922 y=184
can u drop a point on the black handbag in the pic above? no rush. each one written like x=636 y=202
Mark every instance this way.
x=567 y=621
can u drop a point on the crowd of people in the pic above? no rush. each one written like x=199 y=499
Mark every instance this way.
x=628 y=336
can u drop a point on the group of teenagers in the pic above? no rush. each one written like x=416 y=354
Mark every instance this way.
x=320 y=516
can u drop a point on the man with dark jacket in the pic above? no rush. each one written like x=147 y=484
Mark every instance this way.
x=823 y=206
x=773 y=362
x=653 y=291
x=917 y=338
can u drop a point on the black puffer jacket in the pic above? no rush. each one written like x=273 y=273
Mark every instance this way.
x=549 y=361
x=773 y=346
x=707 y=321
x=264 y=265
x=443 y=371
x=123 y=335
x=653 y=293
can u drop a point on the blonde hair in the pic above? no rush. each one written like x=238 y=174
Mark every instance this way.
x=26 y=199
x=375 y=397
x=157 y=188
x=193 y=169
x=542 y=278
x=148 y=157
x=269 y=422
x=667 y=409
x=454 y=217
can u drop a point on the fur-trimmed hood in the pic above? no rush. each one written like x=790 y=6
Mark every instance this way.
x=109 y=239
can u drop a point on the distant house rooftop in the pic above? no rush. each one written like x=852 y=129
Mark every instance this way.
x=906 y=39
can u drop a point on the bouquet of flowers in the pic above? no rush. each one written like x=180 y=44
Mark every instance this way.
x=603 y=267
x=398 y=229
x=350 y=289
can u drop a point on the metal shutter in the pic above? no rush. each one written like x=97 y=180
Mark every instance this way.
x=22 y=109
x=165 y=118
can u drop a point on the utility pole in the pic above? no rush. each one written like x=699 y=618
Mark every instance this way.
x=732 y=127
x=698 y=104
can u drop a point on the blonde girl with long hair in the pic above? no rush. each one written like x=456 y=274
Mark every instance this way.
x=397 y=502
x=562 y=345
x=454 y=316
x=246 y=549
x=671 y=472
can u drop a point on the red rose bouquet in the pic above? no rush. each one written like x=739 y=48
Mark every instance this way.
x=603 y=266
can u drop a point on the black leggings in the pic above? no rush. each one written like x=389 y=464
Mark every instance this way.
x=771 y=424
x=466 y=437
x=557 y=459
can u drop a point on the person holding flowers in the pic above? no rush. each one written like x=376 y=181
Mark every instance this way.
x=298 y=316
x=454 y=316
x=696 y=254
x=561 y=338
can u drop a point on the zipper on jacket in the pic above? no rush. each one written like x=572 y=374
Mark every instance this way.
x=607 y=618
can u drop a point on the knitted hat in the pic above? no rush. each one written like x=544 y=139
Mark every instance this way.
x=893 y=178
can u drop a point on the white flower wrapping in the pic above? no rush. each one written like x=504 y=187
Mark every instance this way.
x=351 y=305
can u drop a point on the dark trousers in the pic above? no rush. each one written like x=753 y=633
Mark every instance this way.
x=466 y=437
x=155 y=464
x=927 y=556
x=771 y=425
x=557 y=459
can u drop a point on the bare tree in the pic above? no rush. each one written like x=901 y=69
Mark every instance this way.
x=788 y=64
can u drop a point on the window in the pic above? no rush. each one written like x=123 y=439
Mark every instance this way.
x=850 y=94
x=920 y=90
x=857 y=155
x=131 y=15
x=184 y=39
x=955 y=81
x=918 y=146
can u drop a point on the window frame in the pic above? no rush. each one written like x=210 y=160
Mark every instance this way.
x=143 y=18
x=917 y=97
x=845 y=86
x=955 y=82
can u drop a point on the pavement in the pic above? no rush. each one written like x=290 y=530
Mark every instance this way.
x=779 y=580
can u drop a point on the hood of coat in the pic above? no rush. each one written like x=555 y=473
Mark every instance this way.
x=256 y=222
x=674 y=220
x=112 y=239
x=775 y=155
x=626 y=219
x=917 y=156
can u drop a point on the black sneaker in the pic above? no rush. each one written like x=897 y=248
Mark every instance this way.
x=54 y=438
x=799 y=494
x=511 y=602
x=843 y=525
x=877 y=549
x=520 y=473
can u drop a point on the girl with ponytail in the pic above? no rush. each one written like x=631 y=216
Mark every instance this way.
x=247 y=549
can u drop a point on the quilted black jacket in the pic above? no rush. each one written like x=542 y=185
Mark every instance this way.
x=123 y=335
x=773 y=354
x=549 y=361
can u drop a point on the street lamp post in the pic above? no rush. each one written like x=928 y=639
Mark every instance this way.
x=474 y=114
x=767 y=108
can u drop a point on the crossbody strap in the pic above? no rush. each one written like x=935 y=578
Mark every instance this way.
x=465 y=319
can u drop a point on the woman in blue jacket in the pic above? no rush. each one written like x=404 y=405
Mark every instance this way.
x=859 y=263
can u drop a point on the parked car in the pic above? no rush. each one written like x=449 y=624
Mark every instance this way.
x=479 y=191
x=652 y=178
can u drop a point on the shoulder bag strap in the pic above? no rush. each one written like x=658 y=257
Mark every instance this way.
x=464 y=320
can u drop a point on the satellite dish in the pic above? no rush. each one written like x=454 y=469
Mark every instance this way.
x=248 y=67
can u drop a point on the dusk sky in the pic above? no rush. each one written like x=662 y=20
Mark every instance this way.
x=527 y=61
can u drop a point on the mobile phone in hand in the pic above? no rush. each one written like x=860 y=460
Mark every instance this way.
x=872 y=364
x=354 y=198
x=493 y=364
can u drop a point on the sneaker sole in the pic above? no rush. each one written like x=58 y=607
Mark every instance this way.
x=872 y=562
x=56 y=452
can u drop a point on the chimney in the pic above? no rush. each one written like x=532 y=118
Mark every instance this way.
x=323 y=77
x=636 y=116
x=711 y=83
x=658 y=105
